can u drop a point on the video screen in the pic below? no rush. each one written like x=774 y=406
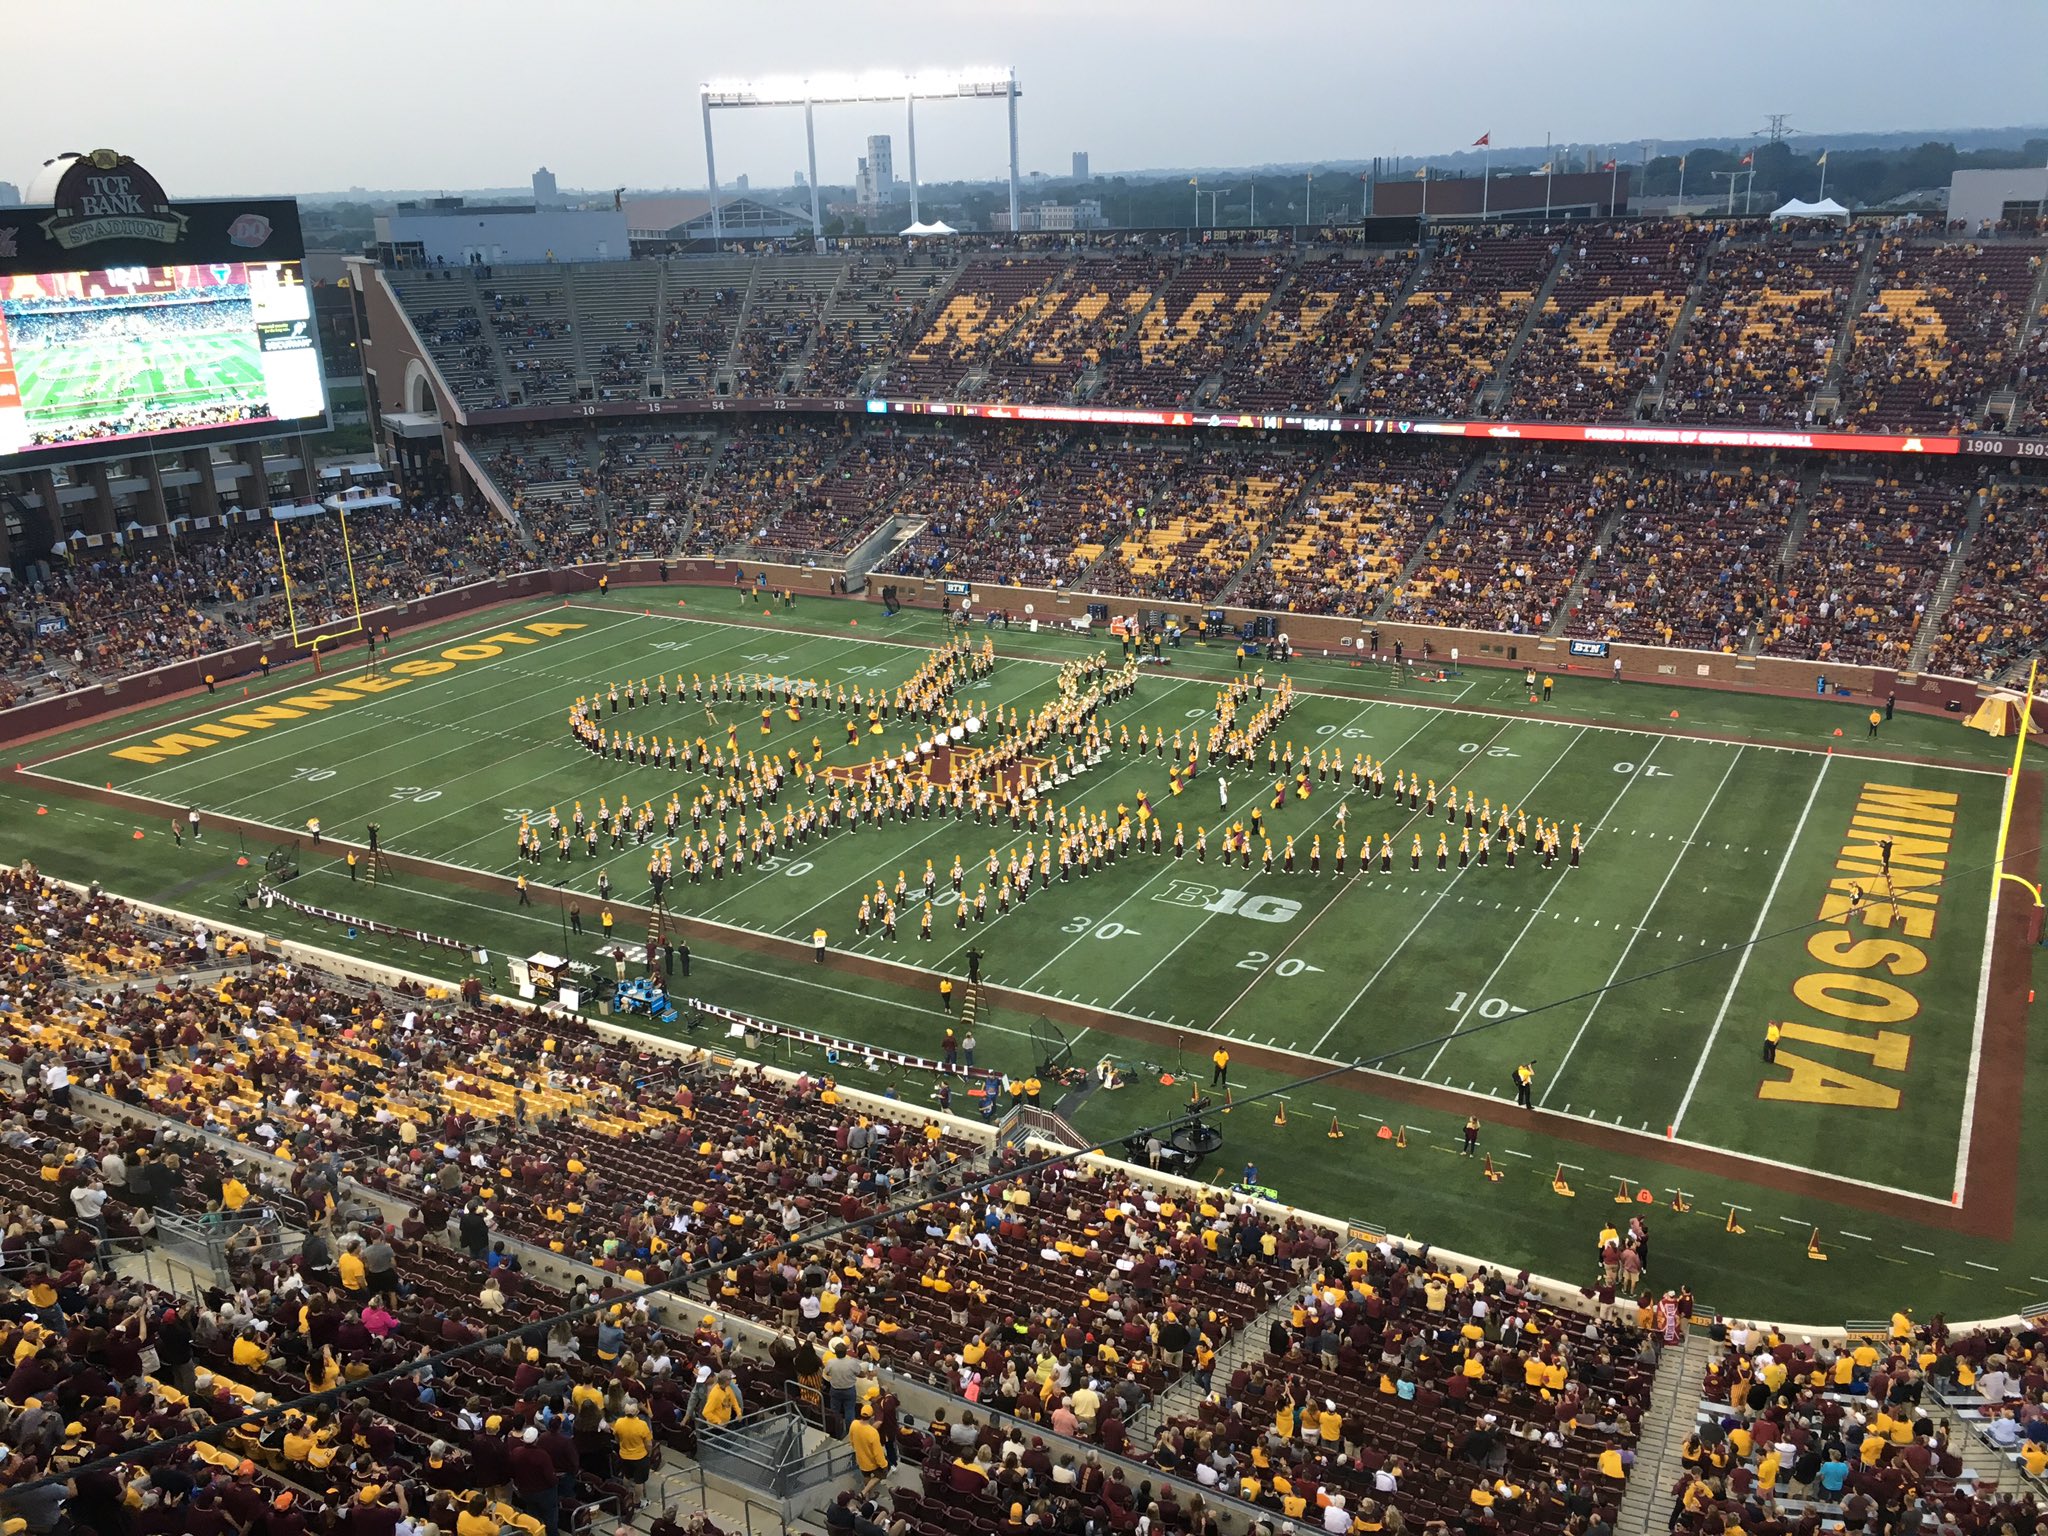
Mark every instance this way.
x=128 y=352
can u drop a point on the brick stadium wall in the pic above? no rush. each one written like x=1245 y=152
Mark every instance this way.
x=1307 y=632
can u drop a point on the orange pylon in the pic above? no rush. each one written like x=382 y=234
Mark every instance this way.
x=1386 y=1133
x=1493 y=1174
x=1734 y=1226
x=1644 y=1197
x=1336 y=1131
x=1280 y=1114
x=1558 y=1185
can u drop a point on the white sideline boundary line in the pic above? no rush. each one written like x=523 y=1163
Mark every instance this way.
x=1749 y=948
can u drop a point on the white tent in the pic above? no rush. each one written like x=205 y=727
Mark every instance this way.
x=1827 y=208
x=925 y=231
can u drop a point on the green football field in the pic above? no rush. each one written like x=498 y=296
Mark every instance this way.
x=1711 y=901
x=81 y=380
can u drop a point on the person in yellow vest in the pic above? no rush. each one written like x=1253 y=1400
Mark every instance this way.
x=1876 y=719
x=818 y=945
x=1548 y=684
x=1525 y=1082
x=1771 y=1041
x=1220 y=1078
x=946 y=992
x=525 y=898
x=351 y=864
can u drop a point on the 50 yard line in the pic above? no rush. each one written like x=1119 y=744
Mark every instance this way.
x=1748 y=949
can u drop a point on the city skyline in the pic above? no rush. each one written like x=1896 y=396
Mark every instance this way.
x=1223 y=86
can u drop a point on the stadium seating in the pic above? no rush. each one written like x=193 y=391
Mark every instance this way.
x=1692 y=561
x=1311 y=340
x=1184 y=337
x=1939 y=333
x=784 y=311
x=986 y=302
x=1769 y=313
x=1456 y=325
x=1354 y=530
x=1992 y=628
x=1215 y=508
x=1865 y=568
x=1601 y=334
x=872 y=316
x=1510 y=547
x=446 y=312
x=528 y=310
x=1087 y=314
x=701 y=304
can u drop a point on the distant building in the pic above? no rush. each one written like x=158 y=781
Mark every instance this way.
x=1085 y=213
x=656 y=223
x=1976 y=198
x=10 y=195
x=544 y=191
x=1080 y=165
x=740 y=182
x=447 y=231
x=874 y=182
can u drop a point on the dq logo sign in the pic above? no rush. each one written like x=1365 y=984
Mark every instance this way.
x=1226 y=903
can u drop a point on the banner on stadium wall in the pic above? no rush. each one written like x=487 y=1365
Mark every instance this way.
x=1502 y=431
x=958 y=589
x=1589 y=647
x=837 y=1048
x=52 y=624
x=270 y=896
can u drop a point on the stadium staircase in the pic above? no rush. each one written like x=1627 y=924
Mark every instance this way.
x=1945 y=589
x=1495 y=389
x=1561 y=620
x=1674 y=1400
x=2002 y=406
x=793 y=375
x=725 y=377
x=1244 y=337
x=1650 y=404
x=1182 y=1399
x=1281 y=518
x=1353 y=384
x=1467 y=478
x=1827 y=399
x=1795 y=535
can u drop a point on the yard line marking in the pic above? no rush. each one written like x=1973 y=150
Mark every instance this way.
x=1748 y=949
x=1797 y=1221
x=1511 y=1152
x=1923 y=1252
x=2036 y=1279
x=1558 y=1071
x=1486 y=987
x=1991 y=1268
x=1430 y=911
x=1857 y=1235
x=1343 y=798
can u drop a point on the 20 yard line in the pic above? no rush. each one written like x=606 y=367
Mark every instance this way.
x=1557 y=1074
x=1748 y=949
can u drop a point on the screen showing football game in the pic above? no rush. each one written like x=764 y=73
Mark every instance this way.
x=98 y=356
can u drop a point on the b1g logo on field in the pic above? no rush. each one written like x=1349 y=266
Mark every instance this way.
x=1227 y=903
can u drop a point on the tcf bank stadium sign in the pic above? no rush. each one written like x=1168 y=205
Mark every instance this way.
x=107 y=196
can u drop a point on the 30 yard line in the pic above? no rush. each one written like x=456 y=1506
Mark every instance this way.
x=1748 y=949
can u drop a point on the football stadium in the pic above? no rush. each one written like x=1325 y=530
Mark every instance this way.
x=1377 y=876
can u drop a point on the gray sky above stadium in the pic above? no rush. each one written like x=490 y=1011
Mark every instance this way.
x=435 y=93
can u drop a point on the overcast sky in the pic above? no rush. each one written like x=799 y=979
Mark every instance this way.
x=435 y=93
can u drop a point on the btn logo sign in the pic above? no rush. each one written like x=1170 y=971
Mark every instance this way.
x=1229 y=903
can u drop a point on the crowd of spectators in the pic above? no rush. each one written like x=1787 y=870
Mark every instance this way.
x=1865 y=569
x=1693 y=559
x=1312 y=339
x=1600 y=336
x=1454 y=329
x=1509 y=548
x=1992 y=628
x=1090 y=313
x=1763 y=331
x=1939 y=333
x=1792 y=1434
x=1187 y=333
x=1211 y=515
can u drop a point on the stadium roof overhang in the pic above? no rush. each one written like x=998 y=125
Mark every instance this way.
x=411 y=424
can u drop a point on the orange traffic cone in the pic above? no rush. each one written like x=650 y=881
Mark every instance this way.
x=1813 y=1247
x=42 y=810
x=242 y=862
x=1734 y=1226
x=1336 y=1131
x=1493 y=1174
x=1558 y=1186
x=1679 y=1203
x=1838 y=730
x=1674 y=714
x=138 y=834
x=1386 y=1133
x=1621 y=1194
x=1280 y=1114
x=1644 y=1197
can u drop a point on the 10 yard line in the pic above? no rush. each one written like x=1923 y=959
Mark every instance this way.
x=1748 y=949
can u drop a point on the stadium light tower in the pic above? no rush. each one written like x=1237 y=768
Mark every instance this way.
x=992 y=84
